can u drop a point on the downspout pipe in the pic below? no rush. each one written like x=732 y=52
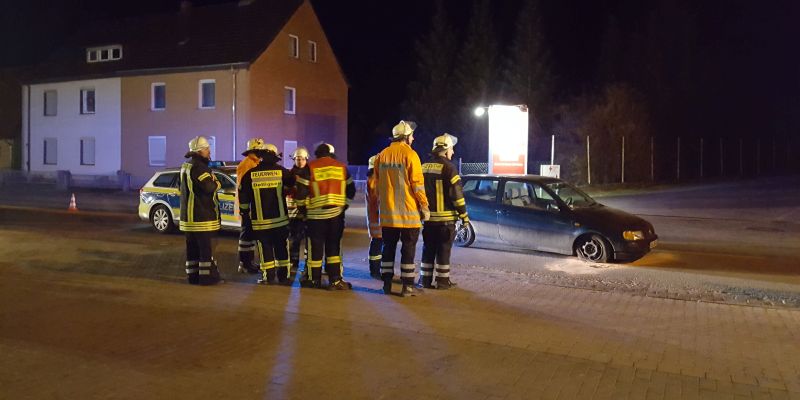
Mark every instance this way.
x=28 y=123
x=233 y=114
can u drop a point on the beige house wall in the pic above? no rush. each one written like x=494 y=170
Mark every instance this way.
x=181 y=120
x=321 y=89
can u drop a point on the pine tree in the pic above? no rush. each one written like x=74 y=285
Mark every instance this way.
x=474 y=76
x=527 y=74
x=429 y=99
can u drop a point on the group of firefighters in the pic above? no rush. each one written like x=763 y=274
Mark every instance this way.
x=280 y=208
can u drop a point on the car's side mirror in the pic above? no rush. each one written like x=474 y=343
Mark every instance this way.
x=553 y=207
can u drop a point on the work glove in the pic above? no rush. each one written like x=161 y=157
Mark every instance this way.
x=424 y=214
x=464 y=223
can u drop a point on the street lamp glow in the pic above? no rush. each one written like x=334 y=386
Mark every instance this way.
x=479 y=111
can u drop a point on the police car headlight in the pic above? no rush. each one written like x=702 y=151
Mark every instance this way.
x=633 y=235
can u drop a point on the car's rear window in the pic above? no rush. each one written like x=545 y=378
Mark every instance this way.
x=165 y=180
x=482 y=189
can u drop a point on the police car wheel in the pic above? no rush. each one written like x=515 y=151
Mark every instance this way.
x=465 y=235
x=161 y=219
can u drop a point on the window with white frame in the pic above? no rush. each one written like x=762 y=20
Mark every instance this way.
x=87 y=101
x=312 y=51
x=50 y=103
x=87 y=151
x=289 y=100
x=50 y=151
x=104 y=53
x=158 y=96
x=294 y=46
x=207 y=93
x=157 y=150
x=212 y=147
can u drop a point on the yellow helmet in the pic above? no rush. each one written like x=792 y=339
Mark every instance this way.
x=403 y=129
x=371 y=162
x=254 y=145
x=198 y=143
x=444 y=142
x=300 y=152
x=271 y=148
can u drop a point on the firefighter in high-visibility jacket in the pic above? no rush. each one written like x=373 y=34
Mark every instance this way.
x=323 y=198
x=402 y=205
x=199 y=213
x=297 y=224
x=262 y=201
x=373 y=224
x=247 y=242
x=446 y=199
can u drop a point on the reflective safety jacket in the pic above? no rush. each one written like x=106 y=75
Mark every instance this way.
x=199 y=204
x=373 y=218
x=400 y=187
x=291 y=203
x=444 y=191
x=261 y=194
x=328 y=189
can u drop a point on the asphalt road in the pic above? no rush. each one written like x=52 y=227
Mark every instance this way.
x=94 y=305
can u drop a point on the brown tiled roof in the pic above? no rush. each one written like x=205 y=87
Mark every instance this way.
x=202 y=37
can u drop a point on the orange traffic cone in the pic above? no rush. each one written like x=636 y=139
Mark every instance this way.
x=72 y=206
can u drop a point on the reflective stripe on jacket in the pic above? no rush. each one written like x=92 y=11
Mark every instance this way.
x=291 y=203
x=328 y=189
x=400 y=187
x=444 y=192
x=199 y=204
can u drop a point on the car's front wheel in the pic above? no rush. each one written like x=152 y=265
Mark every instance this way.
x=161 y=219
x=465 y=235
x=593 y=248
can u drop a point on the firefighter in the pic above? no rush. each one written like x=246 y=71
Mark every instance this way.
x=446 y=199
x=261 y=200
x=297 y=224
x=374 y=226
x=401 y=204
x=199 y=213
x=247 y=242
x=323 y=199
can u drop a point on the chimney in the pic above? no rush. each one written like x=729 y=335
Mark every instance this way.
x=184 y=27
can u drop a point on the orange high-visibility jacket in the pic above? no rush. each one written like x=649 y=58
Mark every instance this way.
x=400 y=186
x=245 y=165
x=373 y=218
x=327 y=190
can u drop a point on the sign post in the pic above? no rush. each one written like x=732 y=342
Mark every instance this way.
x=508 y=139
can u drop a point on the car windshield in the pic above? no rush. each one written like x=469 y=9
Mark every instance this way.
x=571 y=195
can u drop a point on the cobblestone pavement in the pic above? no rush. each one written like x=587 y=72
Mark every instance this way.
x=100 y=311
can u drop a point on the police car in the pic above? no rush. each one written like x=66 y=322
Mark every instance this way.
x=160 y=198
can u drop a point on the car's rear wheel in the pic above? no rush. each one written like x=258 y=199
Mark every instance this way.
x=161 y=219
x=465 y=235
x=593 y=248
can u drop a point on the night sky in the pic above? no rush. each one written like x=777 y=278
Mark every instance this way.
x=750 y=45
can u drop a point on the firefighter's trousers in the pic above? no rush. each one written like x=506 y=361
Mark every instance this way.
x=325 y=239
x=247 y=244
x=200 y=265
x=375 y=249
x=274 y=251
x=437 y=242
x=297 y=233
x=408 y=237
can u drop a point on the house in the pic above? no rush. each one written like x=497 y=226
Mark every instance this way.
x=128 y=95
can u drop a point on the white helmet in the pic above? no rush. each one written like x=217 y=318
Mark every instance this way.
x=403 y=129
x=254 y=145
x=371 y=162
x=198 y=143
x=444 y=142
x=300 y=152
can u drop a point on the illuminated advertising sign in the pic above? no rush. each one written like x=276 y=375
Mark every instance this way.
x=508 y=140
